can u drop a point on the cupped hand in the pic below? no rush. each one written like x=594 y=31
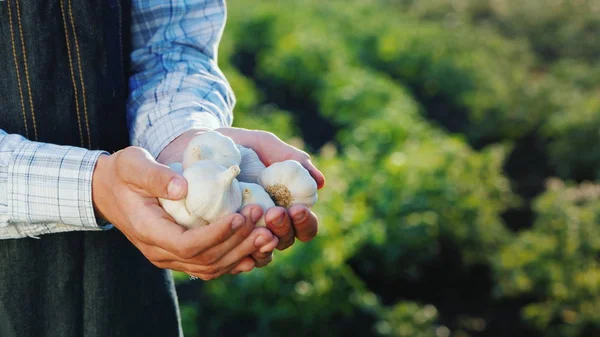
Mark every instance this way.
x=125 y=188
x=298 y=221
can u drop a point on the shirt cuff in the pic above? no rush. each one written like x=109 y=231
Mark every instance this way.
x=52 y=183
x=159 y=134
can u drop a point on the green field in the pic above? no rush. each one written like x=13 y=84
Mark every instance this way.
x=461 y=144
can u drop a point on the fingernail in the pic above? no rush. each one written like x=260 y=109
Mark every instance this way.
x=237 y=223
x=175 y=187
x=260 y=241
x=299 y=216
x=255 y=215
x=278 y=222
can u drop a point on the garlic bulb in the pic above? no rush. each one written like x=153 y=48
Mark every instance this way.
x=177 y=208
x=289 y=183
x=251 y=166
x=214 y=146
x=255 y=194
x=213 y=191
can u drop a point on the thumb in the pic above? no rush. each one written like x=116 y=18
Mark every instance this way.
x=157 y=180
x=160 y=181
x=314 y=172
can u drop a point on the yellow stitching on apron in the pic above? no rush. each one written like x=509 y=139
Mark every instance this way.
x=81 y=80
x=62 y=10
x=26 y=70
x=12 y=41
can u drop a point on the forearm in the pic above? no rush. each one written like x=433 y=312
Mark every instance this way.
x=176 y=84
x=44 y=188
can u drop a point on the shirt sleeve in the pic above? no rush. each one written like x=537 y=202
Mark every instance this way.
x=176 y=84
x=44 y=188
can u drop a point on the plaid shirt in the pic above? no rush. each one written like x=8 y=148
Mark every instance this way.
x=176 y=86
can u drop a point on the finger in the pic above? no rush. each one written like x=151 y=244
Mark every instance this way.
x=163 y=259
x=186 y=244
x=190 y=266
x=263 y=260
x=306 y=223
x=314 y=172
x=255 y=240
x=265 y=255
x=246 y=265
x=280 y=224
x=203 y=272
x=266 y=250
x=233 y=266
x=251 y=214
x=207 y=271
x=138 y=168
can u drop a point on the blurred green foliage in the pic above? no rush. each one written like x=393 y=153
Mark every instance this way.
x=555 y=29
x=557 y=262
x=557 y=82
x=436 y=124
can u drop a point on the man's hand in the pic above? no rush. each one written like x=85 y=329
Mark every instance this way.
x=297 y=222
x=125 y=189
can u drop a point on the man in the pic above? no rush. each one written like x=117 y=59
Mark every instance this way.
x=84 y=77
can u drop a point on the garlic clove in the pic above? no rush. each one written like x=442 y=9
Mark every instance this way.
x=289 y=183
x=251 y=166
x=213 y=191
x=256 y=194
x=178 y=211
x=214 y=146
x=177 y=208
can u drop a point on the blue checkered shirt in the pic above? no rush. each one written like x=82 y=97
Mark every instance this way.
x=175 y=86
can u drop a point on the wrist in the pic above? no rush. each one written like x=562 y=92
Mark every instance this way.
x=244 y=137
x=173 y=152
x=100 y=184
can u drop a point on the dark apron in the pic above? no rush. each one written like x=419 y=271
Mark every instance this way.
x=63 y=66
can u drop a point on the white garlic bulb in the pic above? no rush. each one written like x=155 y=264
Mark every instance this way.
x=177 y=208
x=256 y=194
x=251 y=166
x=289 y=183
x=214 y=146
x=213 y=191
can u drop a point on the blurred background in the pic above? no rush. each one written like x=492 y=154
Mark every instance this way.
x=461 y=144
